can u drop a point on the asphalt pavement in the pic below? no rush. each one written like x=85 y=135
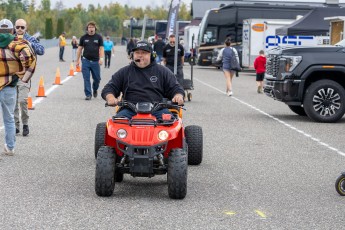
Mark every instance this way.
x=264 y=167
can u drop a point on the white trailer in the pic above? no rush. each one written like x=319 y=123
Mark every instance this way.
x=255 y=33
x=260 y=34
x=188 y=34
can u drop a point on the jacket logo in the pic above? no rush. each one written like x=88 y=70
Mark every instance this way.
x=153 y=79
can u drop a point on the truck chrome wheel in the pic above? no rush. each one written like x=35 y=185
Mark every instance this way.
x=324 y=101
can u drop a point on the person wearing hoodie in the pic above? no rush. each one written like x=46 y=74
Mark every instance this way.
x=17 y=61
x=260 y=68
x=143 y=80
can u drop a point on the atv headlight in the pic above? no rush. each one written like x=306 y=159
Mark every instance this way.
x=292 y=62
x=121 y=133
x=163 y=135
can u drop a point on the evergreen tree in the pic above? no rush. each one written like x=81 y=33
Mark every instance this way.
x=60 y=27
x=49 y=28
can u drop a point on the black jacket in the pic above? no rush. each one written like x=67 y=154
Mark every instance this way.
x=149 y=84
x=158 y=46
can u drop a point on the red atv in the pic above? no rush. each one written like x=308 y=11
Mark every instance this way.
x=145 y=146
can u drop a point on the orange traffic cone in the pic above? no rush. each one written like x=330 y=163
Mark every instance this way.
x=41 y=92
x=71 y=70
x=29 y=100
x=77 y=68
x=57 y=77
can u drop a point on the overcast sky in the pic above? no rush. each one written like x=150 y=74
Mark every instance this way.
x=134 y=3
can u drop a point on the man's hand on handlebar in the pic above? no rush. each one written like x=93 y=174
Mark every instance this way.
x=111 y=100
x=178 y=98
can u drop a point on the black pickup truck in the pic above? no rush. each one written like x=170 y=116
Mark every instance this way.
x=310 y=80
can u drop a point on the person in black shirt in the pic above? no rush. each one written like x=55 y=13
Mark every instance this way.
x=143 y=80
x=169 y=58
x=91 y=44
x=158 y=47
x=130 y=46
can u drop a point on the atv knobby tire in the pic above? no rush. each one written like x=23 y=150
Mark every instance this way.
x=324 y=101
x=105 y=171
x=340 y=185
x=194 y=139
x=100 y=136
x=177 y=174
x=299 y=110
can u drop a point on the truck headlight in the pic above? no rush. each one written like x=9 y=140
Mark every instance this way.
x=121 y=133
x=292 y=62
x=163 y=135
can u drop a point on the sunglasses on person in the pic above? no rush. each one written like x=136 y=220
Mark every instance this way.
x=20 y=27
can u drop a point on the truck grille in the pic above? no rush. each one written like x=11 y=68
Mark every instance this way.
x=272 y=65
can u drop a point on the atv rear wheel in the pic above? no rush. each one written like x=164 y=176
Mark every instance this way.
x=105 y=171
x=194 y=139
x=118 y=177
x=101 y=128
x=177 y=174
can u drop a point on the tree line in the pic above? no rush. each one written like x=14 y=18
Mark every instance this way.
x=51 y=22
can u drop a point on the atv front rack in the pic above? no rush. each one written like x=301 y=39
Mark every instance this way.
x=148 y=122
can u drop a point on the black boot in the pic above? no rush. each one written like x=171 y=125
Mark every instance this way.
x=25 y=130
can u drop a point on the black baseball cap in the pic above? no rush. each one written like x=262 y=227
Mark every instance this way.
x=142 y=45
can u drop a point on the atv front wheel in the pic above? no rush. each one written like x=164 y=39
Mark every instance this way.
x=101 y=128
x=193 y=134
x=340 y=185
x=177 y=174
x=105 y=171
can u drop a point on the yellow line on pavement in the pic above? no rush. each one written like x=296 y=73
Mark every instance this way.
x=261 y=214
x=230 y=213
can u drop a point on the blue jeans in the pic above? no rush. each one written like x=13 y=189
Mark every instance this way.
x=94 y=68
x=130 y=113
x=8 y=99
x=159 y=58
x=62 y=50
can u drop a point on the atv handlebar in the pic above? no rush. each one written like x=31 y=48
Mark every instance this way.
x=156 y=105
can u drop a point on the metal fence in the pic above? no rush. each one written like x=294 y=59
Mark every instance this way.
x=49 y=43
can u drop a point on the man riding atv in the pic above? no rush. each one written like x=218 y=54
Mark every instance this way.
x=147 y=136
x=143 y=81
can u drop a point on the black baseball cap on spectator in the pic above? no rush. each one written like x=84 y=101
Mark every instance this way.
x=142 y=45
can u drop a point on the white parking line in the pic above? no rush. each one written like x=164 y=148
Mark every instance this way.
x=309 y=136
x=49 y=91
